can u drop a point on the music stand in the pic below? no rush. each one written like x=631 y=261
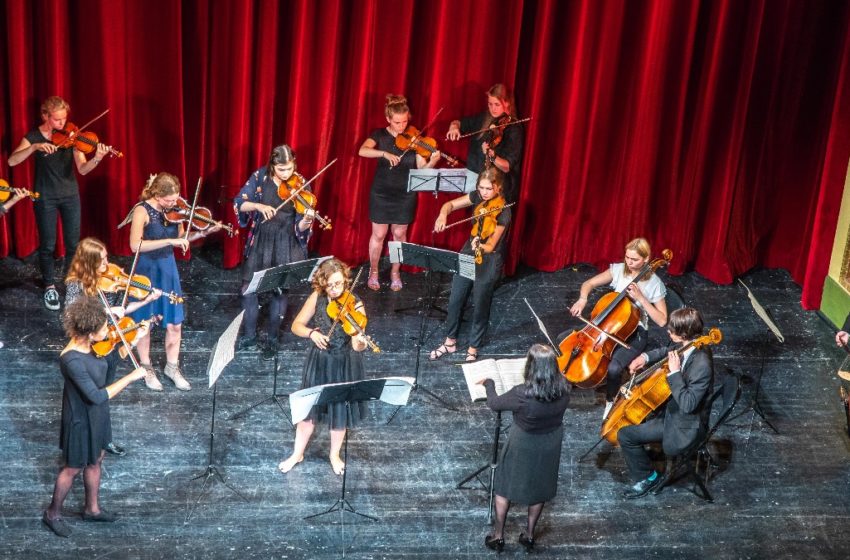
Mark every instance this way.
x=279 y=277
x=221 y=355
x=394 y=390
x=430 y=259
x=767 y=319
x=458 y=181
x=494 y=462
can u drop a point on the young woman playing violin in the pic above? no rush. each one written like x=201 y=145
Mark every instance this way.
x=56 y=186
x=487 y=249
x=334 y=357
x=276 y=237
x=89 y=262
x=155 y=238
x=647 y=295
x=502 y=146
x=390 y=205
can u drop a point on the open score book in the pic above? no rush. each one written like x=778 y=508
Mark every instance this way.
x=505 y=373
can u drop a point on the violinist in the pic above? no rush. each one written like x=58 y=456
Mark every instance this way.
x=19 y=194
x=500 y=147
x=685 y=418
x=390 y=205
x=154 y=238
x=276 y=238
x=334 y=357
x=487 y=196
x=89 y=262
x=647 y=295
x=57 y=188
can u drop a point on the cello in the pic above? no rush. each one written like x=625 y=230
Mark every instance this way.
x=650 y=391
x=585 y=354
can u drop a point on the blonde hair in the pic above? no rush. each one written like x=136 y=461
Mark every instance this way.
x=54 y=103
x=328 y=269
x=396 y=104
x=640 y=246
x=161 y=184
x=85 y=265
x=493 y=174
x=505 y=95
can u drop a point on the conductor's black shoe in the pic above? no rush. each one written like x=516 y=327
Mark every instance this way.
x=642 y=488
x=526 y=542
x=102 y=516
x=247 y=343
x=115 y=449
x=494 y=544
x=269 y=350
x=57 y=525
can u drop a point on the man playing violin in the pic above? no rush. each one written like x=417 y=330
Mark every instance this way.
x=685 y=417
x=57 y=187
x=500 y=147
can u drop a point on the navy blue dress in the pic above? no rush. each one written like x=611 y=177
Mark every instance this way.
x=161 y=267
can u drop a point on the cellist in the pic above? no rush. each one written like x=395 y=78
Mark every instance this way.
x=685 y=417
x=648 y=295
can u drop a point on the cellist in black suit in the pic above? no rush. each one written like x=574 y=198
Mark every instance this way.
x=685 y=417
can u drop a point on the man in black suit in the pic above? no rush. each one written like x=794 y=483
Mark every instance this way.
x=685 y=417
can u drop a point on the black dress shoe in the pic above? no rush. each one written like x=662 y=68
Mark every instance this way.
x=526 y=542
x=642 y=488
x=57 y=525
x=247 y=343
x=115 y=449
x=494 y=544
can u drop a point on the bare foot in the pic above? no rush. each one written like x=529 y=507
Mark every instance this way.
x=286 y=466
x=338 y=465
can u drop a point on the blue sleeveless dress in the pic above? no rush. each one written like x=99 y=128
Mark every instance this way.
x=161 y=267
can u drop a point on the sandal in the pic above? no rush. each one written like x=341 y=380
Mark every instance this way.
x=395 y=284
x=442 y=350
x=373 y=282
x=471 y=356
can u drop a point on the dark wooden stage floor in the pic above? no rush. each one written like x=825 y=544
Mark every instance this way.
x=777 y=495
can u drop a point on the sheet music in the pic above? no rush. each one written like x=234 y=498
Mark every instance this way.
x=315 y=268
x=396 y=253
x=396 y=391
x=224 y=349
x=466 y=266
x=255 y=282
x=506 y=374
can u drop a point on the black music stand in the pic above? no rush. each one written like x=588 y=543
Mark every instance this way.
x=458 y=181
x=492 y=466
x=394 y=390
x=279 y=277
x=430 y=259
x=221 y=355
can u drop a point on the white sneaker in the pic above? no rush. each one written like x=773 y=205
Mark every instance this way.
x=608 y=406
x=51 y=299
x=177 y=377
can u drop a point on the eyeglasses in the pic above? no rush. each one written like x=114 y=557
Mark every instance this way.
x=340 y=284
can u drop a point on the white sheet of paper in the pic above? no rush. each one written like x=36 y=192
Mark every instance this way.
x=506 y=374
x=396 y=391
x=224 y=349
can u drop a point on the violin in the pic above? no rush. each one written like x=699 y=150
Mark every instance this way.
x=650 y=391
x=129 y=329
x=115 y=280
x=202 y=218
x=6 y=192
x=303 y=200
x=342 y=310
x=493 y=135
x=412 y=139
x=485 y=218
x=85 y=141
x=585 y=354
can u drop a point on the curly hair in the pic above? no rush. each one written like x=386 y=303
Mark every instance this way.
x=54 y=103
x=161 y=184
x=326 y=270
x=85 y=265
x=83 y=317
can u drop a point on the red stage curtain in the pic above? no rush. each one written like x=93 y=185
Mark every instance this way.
x=718 y=129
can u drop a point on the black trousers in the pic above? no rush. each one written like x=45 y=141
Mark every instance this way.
x=277 y=310
x=46 y=211
x=632 y=440
x=486 y=275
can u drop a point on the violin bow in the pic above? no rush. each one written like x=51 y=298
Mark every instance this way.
x=345 y=302
x=88 y=124
x=543 y=328
x=479 y=215
x=304 y=186
x=132 y=272
x=118 y=328
x=421 y=132
x=192 y=211
x=492 y=127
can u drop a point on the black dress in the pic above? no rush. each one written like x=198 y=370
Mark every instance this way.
x=86 y=428
x=529 y=461
x=389 y=201
x=338 y=364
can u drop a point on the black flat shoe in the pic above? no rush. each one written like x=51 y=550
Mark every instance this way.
x=249 y=343
x=102 y=516
x=526 y=542
x=115 y=449
x=58 y=526
x=494 y=544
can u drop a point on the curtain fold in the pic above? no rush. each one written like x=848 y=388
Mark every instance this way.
x=715 y=128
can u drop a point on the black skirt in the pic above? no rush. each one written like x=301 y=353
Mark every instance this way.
x=527 y=472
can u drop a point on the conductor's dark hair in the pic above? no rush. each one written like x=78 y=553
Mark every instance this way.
x=543 y=379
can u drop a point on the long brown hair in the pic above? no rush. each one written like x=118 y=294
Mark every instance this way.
x=85 y=264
